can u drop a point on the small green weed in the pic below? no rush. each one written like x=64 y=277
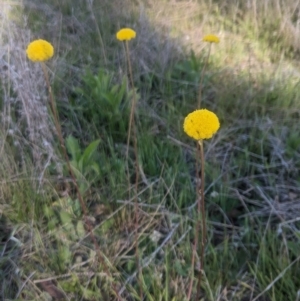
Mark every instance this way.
x=85 y=166
x=104 y=105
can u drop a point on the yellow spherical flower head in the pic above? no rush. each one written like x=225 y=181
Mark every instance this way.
x=39 y=51
x=211 y=38
x=201 y=124
x=126 y=34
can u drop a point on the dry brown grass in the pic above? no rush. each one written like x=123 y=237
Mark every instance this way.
x=25 y=115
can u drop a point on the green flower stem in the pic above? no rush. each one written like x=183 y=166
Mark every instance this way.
x=101 y=258
x=132 y=127
x=201 y=208
x=200 y=217
x=133 y=104
x=202 y=76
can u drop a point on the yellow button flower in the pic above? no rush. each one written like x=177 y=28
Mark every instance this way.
x=211 y=38
x=39 y=51
x=126 y=34
x=201 y=124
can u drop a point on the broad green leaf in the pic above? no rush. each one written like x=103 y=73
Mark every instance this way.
x=89 y=151
x=96 y=168
x=65 y=217
x=73 y=148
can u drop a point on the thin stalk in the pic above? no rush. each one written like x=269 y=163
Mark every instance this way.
x=201 y=207
x=167 y=269
x=132 y=127
x=101 y=258
x=98 y=31
x=197 y=228
x=202 y=76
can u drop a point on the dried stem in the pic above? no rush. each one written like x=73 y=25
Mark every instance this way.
x=132 y=127
x=101 y=258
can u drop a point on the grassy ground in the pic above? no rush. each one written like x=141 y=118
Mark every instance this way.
x=252 y=164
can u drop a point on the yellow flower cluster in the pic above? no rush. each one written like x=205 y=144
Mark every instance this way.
x=126 y=34
x=211 y=38
x=39 y=51
x=201 y=124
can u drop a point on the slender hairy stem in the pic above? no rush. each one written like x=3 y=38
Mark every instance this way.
x=202 y=76
x=133 y=104
x=197 y=228
x=200 y=200
x=201 y=203
x=100 y=257
x=132 y=127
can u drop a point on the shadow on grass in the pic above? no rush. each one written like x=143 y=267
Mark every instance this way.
x=252 y=172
